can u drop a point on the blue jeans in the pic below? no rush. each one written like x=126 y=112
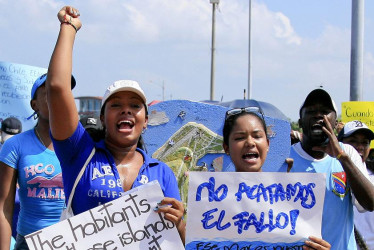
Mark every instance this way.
x=21 y=243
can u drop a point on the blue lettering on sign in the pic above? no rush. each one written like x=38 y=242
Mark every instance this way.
x=275 y=192
x=269 y=221
x=207 y=216
x=243 y=245
x=213 y=194
x=245 y=220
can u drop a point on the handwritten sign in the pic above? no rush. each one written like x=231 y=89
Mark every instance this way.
x=128 y=222
x=16 y=81
x=362 y=111
x=253 y=210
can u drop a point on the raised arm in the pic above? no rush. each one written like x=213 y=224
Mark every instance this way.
x=63 y=115
x=361 y=186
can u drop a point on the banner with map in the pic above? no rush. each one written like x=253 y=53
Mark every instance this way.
x=187 y=136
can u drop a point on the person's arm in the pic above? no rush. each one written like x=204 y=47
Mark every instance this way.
x=361 y=186
x=63 y=115
x=174 y=211
x=8 y=181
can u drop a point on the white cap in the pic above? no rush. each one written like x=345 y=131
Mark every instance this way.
x=123 y=85
x=353 y=126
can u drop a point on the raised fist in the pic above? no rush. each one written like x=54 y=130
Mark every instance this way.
x=70 y=15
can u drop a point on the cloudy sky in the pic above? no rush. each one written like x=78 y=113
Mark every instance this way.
x=296 y=46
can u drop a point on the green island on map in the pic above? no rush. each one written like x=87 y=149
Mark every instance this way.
x=183 y=150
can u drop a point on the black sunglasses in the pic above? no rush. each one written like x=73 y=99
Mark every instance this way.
x=237 y=111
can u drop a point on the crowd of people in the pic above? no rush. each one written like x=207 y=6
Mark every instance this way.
x=54 y=152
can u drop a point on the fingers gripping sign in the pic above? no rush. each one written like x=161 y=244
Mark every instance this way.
x=316 y=243
x=70 y=15
x=172 y=208
x=174 y=211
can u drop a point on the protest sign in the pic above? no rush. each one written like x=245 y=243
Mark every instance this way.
x=253 y=210
x=128 y=222
x=361 y=111
x=16 y=81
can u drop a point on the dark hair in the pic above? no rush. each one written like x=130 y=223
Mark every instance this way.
x=36 y=93
x=96 y=134
x=231 y=121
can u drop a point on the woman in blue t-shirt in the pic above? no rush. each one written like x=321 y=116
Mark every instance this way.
x=28 y=160
x=245 y=139
x=119 y=163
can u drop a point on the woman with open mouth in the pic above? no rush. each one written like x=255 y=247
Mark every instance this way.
x=119 y=162
x=246 y=141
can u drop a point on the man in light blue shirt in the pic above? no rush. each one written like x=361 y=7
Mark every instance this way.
x=347 y=182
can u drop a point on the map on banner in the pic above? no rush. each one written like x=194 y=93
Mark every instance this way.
x=253 y=210
x=188 y=137
x=128 y=222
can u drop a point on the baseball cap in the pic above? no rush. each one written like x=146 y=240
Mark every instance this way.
x=123 y=85
x=322 y=96
x=9 y=127
x=354 y=126
x=39 y=82
x=91 y=122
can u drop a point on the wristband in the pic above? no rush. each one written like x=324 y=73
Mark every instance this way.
x=71 y=25
x=69 y=22
x=339 y=155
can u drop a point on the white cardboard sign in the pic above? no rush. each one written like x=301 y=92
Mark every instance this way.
x=229 y=210
x=128 y=222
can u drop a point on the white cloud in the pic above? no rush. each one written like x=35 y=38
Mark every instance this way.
x=168 y=40
x=283 y=29
x=145 y=22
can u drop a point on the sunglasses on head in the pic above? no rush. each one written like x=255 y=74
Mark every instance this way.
x=237 y=111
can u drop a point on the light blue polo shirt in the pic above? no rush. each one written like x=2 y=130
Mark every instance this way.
x=337 y=216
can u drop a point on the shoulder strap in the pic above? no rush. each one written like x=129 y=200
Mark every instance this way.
x=79 y=177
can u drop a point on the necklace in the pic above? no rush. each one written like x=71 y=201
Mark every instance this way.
x=37 y=135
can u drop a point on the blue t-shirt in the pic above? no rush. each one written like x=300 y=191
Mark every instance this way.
x=15 y=215
x=337 y=216
x=101 y=182
x=41 y=192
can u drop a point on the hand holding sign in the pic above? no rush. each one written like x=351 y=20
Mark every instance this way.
x=174 y=211
x=316 y=243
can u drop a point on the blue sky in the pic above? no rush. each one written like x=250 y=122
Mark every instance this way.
x=296 y=46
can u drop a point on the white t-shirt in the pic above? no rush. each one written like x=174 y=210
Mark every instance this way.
x=364 y=222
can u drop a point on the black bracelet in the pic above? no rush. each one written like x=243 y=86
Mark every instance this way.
x=76 y=30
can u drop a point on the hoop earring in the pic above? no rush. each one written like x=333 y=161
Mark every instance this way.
x=35 y=116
